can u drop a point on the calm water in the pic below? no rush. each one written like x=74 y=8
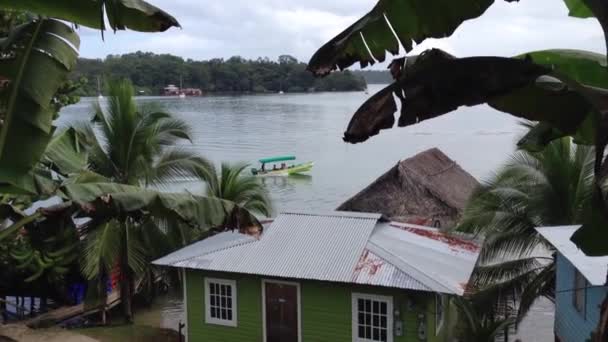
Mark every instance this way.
x=249 y=127
x=246 y=128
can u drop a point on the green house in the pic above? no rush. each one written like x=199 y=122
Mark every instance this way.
x=334 y=277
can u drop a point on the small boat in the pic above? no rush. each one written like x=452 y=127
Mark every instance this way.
x=182 y=95
x=282 y=169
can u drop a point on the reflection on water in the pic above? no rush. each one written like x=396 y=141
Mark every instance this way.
x=310 y=126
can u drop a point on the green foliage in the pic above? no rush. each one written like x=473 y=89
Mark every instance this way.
x=412 y=21
x=137 y=144
x=577 y=8
x=154 y=72
x=565 y=104
x=548 y=188
x=47 y=249
x=42 y=54
x=558 y=87
x=135 y=15
x=234 y=184
x=476 y=324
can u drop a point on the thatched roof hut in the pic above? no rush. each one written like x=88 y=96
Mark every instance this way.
x=427 y=189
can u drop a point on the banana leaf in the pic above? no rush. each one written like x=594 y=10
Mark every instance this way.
x=135 y=15
x=578 y=9
x=38 y=57
x=411 y=20
x=394 y=22
x=115 y=200
x=551 y=86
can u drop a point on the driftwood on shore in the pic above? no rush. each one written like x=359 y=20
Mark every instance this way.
x=427 y=189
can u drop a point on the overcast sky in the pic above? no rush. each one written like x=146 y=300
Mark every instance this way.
x=251 y=29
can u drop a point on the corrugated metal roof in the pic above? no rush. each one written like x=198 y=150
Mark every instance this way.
x=340 y=247
x=374 y=270
x=594 y=269
x=440 y=261
x=297 y=245
x=212 y=244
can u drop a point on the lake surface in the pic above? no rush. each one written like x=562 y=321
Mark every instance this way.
x=310 y=126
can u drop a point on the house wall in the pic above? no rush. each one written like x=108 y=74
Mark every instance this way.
x=571 y=325
x=325 y=308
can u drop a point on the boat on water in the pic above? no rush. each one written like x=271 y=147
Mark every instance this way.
x=280 y=168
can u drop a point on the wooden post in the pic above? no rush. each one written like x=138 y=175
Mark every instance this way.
x=3 y=313
x=179 y=331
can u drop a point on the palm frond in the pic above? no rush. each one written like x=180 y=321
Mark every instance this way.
x=136 y=253
x=543 y=284
x=234 y=185
x=102 y=247
x=501 y=271
x=97 y=156
x=176 y=164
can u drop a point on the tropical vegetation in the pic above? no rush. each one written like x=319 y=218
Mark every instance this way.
x=88 y=183
x=551 y=187
x=150 y=73
x=135 y=145
x=477 y=324
x=564 y=90
x=234 y=183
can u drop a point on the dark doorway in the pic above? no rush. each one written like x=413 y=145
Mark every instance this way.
x=281 y=312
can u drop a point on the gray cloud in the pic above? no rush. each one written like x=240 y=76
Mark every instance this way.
x=274 y=27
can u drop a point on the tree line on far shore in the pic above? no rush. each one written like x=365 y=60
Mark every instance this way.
x=150 y=73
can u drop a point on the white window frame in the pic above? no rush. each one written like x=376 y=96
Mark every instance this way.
x=218 y=321
x=355 y=315
x=440 y=300
x=299 y=302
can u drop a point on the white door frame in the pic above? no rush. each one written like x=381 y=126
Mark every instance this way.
x=293 y=283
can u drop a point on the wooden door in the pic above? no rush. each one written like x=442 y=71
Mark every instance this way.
x=281 y=312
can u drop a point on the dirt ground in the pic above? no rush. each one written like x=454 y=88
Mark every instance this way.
x=21 y=333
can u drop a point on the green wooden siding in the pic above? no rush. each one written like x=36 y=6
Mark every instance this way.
x=326 y=311
x=249 y=308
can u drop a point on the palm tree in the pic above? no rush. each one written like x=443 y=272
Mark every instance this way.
x=134 y=145
x=234 y=185
x=476 y=327
x=547 y=188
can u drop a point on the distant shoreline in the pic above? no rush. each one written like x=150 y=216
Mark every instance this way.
x=209 y=94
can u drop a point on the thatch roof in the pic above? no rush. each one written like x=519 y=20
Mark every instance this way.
x=427 y=189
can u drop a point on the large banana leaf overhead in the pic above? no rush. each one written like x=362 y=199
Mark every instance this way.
x=412 y=21
x=394 y=22
x=135 y=15
x=36 y=59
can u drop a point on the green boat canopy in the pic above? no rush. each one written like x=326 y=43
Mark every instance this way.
x=277 y=159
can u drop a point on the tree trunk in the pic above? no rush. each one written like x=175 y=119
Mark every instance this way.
x=3 y=309
x=126 y=278
x=31 y=306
